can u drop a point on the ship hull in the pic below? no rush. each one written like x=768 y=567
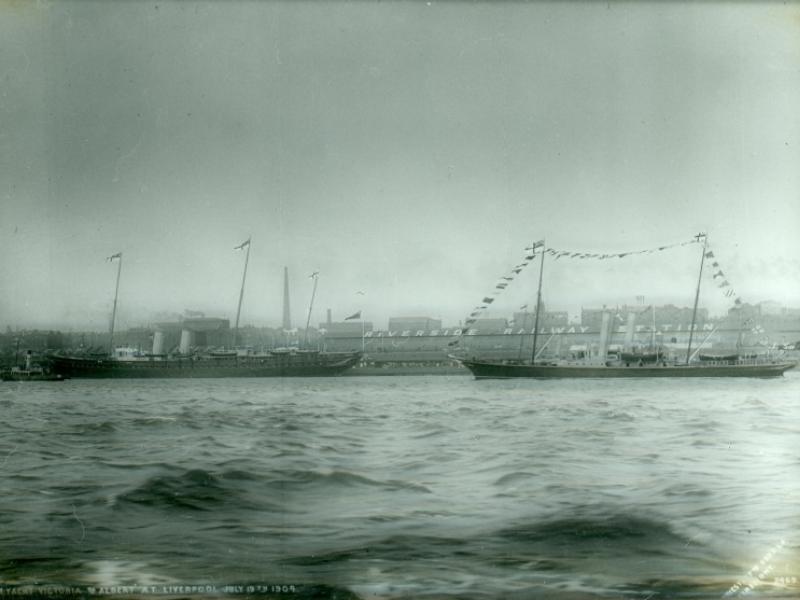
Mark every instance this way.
x=23 y=376
x=491 y=370
x=284 y=365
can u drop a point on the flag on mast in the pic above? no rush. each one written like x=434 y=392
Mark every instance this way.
x=113 y=256
x=354 y=316
x=243 y=245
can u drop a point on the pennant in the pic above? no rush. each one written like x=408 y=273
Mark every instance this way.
x=487 y=300
x=113 y=256
x=469 y=321
x=718 y=274
x=715 y=264
x=517 y=271
x=243 y=245
x=453 y=343
x=724 y=284
x=737 y=301
x=523 y=307
x=729 y=293
x=597 y=255
x=353 y=316
x=500 y=286
x=709 y=254
x=508 y=278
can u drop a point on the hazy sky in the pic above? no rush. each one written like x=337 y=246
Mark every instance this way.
x=408 y=150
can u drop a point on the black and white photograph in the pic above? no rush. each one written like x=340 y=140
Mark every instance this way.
x=399 y=300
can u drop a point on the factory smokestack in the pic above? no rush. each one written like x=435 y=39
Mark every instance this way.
x=287 y=319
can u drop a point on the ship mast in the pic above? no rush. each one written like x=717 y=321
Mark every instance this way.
x=314 y=276
x=118 y=256
x=698 y=237
x=241 y=291
x=538 y=301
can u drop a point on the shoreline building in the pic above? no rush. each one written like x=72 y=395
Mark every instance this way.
x=183 y=336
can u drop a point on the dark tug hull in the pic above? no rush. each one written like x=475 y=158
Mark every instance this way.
x=270 y=365
x=26 y=376
x=496 y=370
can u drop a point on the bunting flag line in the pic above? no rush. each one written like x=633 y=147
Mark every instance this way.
x=504 y=281
x=730 y=292
x=531 y=252
x=603 y=256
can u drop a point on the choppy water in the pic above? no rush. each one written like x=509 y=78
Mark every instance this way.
x=406 y=487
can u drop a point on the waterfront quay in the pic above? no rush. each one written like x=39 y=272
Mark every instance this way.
x=416 y=345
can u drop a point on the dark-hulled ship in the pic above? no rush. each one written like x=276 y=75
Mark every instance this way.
x=631 y=365
x=191 y=362
x=300 y=363
x=566 y=370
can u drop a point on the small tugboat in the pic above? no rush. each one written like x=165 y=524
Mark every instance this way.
x=30 y=372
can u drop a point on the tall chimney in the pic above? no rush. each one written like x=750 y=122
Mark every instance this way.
x=629 y=330
x=605 y=330
x=287 y=319
x=329 y=317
